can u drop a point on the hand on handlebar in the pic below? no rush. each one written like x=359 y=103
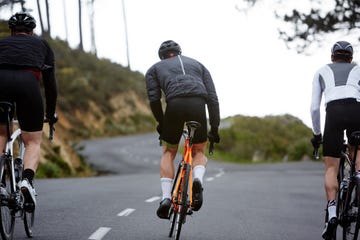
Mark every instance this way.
x=51 y=119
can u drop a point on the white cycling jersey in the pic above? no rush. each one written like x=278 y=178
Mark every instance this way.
x=337 y=81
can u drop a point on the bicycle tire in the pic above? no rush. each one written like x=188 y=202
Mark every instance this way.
x=173 y=213
x=7 y=216
x=172 y=217
x=183 y=206
x=29 y=219
x=352 y=217
x=343 y=182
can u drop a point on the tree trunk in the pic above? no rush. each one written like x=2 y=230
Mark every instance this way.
x=48 y=17
x=92 y=28
x=65 y=22
x=40 y=17
x=81 y=46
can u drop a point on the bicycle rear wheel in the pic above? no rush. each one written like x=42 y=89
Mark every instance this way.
x=29 y=218
x=351 y=221
x=173 y=215
x=183 y=206
x=7 y=215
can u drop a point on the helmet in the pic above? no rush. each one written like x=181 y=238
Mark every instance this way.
x=22 y=19
x=342 y=47
x=168 y=46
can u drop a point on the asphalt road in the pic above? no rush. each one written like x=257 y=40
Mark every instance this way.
x=266 y=201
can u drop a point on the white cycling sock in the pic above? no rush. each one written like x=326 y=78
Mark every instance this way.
x=199 y=172
x=332 y=209
x=166 y=186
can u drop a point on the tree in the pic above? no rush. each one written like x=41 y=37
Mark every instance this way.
x=92 y=27
x=81 y=45
x=310 y=27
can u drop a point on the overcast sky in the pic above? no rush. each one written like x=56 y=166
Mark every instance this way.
x=254 y=73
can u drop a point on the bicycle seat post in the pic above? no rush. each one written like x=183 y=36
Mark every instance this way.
x=192 y=126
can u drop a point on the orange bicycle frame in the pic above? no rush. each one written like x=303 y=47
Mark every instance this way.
x=187 y=159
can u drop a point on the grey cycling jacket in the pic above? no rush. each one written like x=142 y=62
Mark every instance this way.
x=181 y=76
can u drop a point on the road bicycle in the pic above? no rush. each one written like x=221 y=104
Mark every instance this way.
x=348 y=196
x=12 y=203
x=349 y=191
x=181 y=201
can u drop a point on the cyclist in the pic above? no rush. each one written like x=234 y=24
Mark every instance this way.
x=188 y=87
x=24 y=58
x=339 y=81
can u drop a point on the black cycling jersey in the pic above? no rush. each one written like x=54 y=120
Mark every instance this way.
x=21 y=55
x=181 y=76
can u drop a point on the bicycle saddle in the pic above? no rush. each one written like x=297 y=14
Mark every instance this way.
x=193 y=124
x=355 y=138
x=6 y=107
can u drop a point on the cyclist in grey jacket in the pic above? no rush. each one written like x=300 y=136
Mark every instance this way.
x=339 y=82
x=188 y=88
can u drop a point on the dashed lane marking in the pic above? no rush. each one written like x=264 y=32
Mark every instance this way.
x=100 y=233
x=126 y=212
x=153 y=199
x=209 y=179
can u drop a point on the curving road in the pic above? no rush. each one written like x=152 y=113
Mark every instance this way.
x=266 y=202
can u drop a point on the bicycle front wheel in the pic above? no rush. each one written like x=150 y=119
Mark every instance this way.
x=7 y=215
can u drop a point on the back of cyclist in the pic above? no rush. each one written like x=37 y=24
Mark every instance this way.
x=24 y=59
x=188 y=88
x=339 y=82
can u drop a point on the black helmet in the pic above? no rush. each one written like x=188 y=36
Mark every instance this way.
x=168 y=46
x=22 y=19
x=342 y=47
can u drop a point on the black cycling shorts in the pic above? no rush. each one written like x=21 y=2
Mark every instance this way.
x=22 y=88
x=341 y=115
x=180 y=110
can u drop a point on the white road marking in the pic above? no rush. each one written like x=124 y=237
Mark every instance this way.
x=209 y=179
x=152 y=199
x=126 y=212
x=221 y=172
x=100 y=233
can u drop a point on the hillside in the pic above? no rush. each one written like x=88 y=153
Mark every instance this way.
x=267 y=139
x=96 y=98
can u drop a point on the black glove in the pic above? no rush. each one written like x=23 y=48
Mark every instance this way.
x=213 y=135
x=316 y=141
x=52 y=118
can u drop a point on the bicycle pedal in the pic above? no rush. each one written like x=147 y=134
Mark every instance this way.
x=189 y=211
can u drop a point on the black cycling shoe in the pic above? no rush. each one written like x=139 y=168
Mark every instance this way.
x=329 y=229
x=163 y=210
x=197 y=190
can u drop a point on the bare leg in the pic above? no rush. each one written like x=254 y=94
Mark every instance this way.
x=32 y=141
x=198 y=153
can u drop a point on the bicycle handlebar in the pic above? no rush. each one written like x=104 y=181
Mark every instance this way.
x=316 y=153
x=211 y=148
x=51 y=129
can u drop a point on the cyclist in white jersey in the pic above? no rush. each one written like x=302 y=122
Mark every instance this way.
x=339 y=82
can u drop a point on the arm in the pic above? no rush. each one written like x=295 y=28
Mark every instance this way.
x=154 y=94
x=212 y=100
x=50 y=85
x=315 y=104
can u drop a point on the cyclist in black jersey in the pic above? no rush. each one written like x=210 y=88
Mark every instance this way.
x=24 y=60
x=339 y=82
x=188 y=88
